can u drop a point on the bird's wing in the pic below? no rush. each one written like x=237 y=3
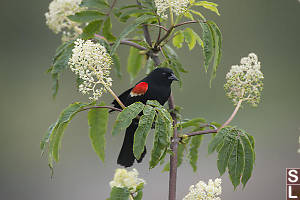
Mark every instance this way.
x=139 y=89
x=132 y=95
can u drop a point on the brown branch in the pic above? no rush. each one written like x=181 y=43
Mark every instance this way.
x=145 y=28
x=111 y=7
x=126 y=42
x=159 y=33
x=204 y=132
x=159 y=26
x=187 y=22
x=173 y=157
x=169 y=31
x=165 y=36
x=109 y=107
x=133 y=44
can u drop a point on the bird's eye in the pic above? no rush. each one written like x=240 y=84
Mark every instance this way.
x=164 y=73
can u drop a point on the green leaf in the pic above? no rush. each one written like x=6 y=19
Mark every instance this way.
x=135 y=62
x=139 y=195
x=60 y=63
x=236 y=152
x=61 y=59
x=180 y=153
x=125 y=117
x=107 y=30
x=198 y=13
x=140 y=136
x=117 y=64
x=119 y=193
x=46 y=137
x=57 y=132
x=190 y=37
x=55 y=84
x=218 y=45
x=86 y=16
x=99 y=4
x=249 y=157
x=92 y=28
x=218 y=139
x=178 y=39
x=224 y=155
x=208 y=44
x=252 y=142
x=236 y=163
x=193 y=154
x=129 y=6
x=173 y=62
x=98 y=119
x=161 y=140
x=188 y=15
x=128 y=30
x=193 y=122
x=134 y=12
x=208 y=5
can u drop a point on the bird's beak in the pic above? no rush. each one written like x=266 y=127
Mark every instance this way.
x=173 y=77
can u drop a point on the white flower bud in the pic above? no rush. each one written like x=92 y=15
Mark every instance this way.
x=203 y=191
x=127 y=179
x=91 y=62
x=245 y=81
x=58 y=21
x=178 y=7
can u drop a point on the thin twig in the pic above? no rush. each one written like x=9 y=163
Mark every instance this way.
x=133 y=44
x=111 y=7
x=126 y=42
x=165 y=36
x=109 y=107
x=159 y=33
x=115 y=97
x=204 y=132
x=159 y=26
x=215 y=130
x=145 y=28
x=232 y=115
x=187 y=22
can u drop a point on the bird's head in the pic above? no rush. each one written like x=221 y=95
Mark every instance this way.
x=163 y=76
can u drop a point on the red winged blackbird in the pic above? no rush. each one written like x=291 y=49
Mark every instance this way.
x=156 y=86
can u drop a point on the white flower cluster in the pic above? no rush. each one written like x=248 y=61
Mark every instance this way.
x=91 y=62
x=203 y=191
x=177 y=6
x=58 y=21
x=127 y=179
x=245 y=81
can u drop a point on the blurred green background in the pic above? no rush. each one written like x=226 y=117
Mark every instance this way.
x=271 y=29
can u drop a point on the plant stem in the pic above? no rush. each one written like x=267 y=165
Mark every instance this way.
x=111 y=7
x=175 y=140
x=115 y=97
x=187 y=22
x=145 y=28
x=232 y=115
x=222 y=126
x=109 y=107
x=173 y=157
x=126 y=42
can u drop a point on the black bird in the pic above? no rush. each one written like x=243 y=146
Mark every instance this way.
x=155 y=86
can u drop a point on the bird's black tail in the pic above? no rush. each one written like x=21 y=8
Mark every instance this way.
x=126 y=157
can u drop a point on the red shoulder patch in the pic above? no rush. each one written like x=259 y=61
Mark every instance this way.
x=139 y=89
